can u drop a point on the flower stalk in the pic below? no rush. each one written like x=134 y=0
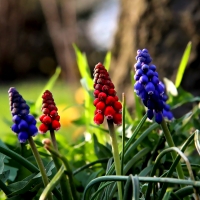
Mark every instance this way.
x=53 y=139
x=171 y=144
x=174 y=155
x=67 y=183
x=115 y=155
x=40 y=164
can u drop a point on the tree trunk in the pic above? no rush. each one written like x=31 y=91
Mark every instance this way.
x=164 y=27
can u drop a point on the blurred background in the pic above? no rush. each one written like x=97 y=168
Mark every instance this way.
x=37 y=35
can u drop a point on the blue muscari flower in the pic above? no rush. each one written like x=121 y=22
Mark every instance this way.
x=149 y=88
x=24 y=123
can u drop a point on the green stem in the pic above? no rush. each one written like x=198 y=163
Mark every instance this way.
x=64 y=181
x=123 y=132
x=174 y=155
x=67 y=168
x=171 y=144
x=115 y=155
x=53 y=183
x=53 y=139
x=40 y=164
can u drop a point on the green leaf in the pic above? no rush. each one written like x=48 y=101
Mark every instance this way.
x=83 y=66
x=94 y=175
x=182 y=98
x=49 y=167
x=136 y=187
x=146 y=171
x=25 y=185
x=107 y=60
x=183 y=192
x=17 y=185
x=12 y=172
x=196 y=140
x=17 y=197
x=99 y=128
x=167 y=194
x=100 y=150
x=4 y=176
x=48 y=86
x=2 y=156
x=183 y=64
x=79 y=122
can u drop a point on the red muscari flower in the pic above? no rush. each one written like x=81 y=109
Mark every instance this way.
x=106 y=101
x=49 y=118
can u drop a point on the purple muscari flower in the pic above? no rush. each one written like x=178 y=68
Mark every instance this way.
x=145 y=67
x=152 y=67
x=158 y=117
x=149 y=88
x=143 y=79
x=24 y=123
x=150 y=73
x=150 y=113
x=137 y=65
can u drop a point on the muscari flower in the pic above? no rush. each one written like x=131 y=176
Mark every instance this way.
x=149 y=88
x=50 y=118
x=106 y=101
x=24 y=123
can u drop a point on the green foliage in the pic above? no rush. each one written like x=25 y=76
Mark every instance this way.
x=183 y=64
x=148 y=169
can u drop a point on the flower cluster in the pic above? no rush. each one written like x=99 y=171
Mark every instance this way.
x=149 y=88
x=24 y=123
x=106 y=101
x=166 y=110
x=50 y=118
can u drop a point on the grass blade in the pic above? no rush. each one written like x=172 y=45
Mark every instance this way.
x=53 y=183
x=83 y=66
x=136 y=188
x=107 y=60
x=183 y=64
x=196 y=140
x=127 y=189
x=123 y=132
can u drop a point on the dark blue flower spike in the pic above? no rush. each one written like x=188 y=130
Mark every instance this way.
x=149 y=88
x=24 y=123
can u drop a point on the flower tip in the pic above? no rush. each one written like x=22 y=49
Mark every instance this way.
x=98 y=118
x=11 y=89
x=23 y=137
x=158 y=118
x=117 y=119
x=46 y=141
